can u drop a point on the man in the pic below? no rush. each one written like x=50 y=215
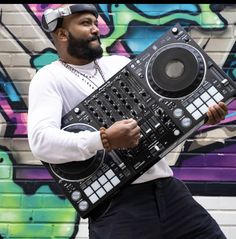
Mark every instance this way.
x=156 y=205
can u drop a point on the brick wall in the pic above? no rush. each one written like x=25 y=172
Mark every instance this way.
x=31 y=205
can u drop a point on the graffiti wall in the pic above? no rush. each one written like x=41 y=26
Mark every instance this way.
x=31 y=205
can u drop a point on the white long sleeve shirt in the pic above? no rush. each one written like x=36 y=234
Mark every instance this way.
x=53 y=92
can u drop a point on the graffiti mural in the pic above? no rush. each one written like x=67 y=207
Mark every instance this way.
x=29 y=198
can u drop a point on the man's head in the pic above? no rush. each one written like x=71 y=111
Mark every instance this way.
x=53 y=18
x=74 y=30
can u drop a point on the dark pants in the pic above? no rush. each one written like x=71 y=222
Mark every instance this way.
x=160 y=209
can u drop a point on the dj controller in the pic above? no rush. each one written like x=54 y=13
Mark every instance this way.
x=167 y=89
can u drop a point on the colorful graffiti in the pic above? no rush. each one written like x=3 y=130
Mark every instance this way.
x=127 y=29
x=13 y=197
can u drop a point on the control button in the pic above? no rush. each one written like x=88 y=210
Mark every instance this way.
x=154 y=47
x=212 y=90
x=209 y=63
x=140 y=75
x=133 y=112
x=99 y=173
x=83 y=185
x=103 y=107
x=178 y=113
x=176 y=132
x=157 y=125
x=170 y=124
x=126 y=73
x=77 y=110
x=118 y=95
x=141 y=106
x=115 y=181
x=186 y=122
x=88 y=182
x=225 y=82
x=83 y=205
x=120 y=113
x=153 y=121
x=143 y=93
x=175 y=30
x=198 y=102
x=210 y=102
x=106 y=96
x=112 y=118
x=102 y=179
x=205 y=96
x=153 y=137
x=101 y=192
x=186 y=38
x=218 y=97
x=88 y=191
x=110 y=174
x=159 y=112
x=105 y=168
x=190 y=108
x=99 y=102
x=129 y=107
x=126 y=89
x=114 y=89
x=93 y=198
x=95 y=185
x=196 y=115
x=91 y=108
x=146 y=128
x=156 y=148
x=76 y=195
x=203 y=109
x=108 y=186
x=99 y=119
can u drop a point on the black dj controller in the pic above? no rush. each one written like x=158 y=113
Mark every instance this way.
x=167 y=89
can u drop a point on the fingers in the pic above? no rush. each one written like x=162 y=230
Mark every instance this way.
x=219 y=111
x=213 y=116
x=223 y=107
x=131 y=123
x=124 y=134
x=137 y=138
x=134 y=133
x=216 y=113
x=132 y=126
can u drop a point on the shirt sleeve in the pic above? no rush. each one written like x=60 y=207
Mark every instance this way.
x=47 y=141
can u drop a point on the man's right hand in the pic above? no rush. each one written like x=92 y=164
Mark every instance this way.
x=123 y=134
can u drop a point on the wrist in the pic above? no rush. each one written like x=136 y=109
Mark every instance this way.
x=105 y=140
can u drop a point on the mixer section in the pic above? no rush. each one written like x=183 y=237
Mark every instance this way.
x=125 y=98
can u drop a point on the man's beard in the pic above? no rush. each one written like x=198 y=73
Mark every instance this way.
x=81 y=49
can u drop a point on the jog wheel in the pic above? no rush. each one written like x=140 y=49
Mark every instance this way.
x=175 y=70
x=78 y=170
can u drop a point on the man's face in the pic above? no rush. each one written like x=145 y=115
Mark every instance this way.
x=82 y=48
x=83 y=40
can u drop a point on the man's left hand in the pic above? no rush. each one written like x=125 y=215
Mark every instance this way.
x=216 y=113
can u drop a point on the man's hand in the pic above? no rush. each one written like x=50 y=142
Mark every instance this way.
x=123 y=134
x=216 y=113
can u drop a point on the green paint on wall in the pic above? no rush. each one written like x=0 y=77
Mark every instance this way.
x=25 y=214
